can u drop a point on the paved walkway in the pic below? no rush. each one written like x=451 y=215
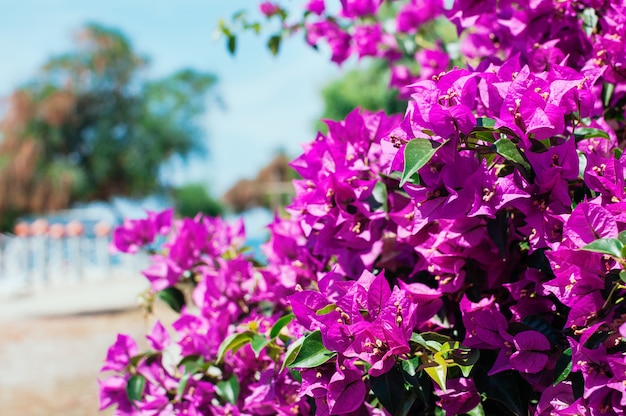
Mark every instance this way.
x=114 y=294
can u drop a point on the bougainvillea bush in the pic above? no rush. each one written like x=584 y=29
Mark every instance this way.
x=467 y=257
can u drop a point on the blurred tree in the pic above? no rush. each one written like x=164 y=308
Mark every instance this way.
x=271 y=189
x=91 y=126
x=193 y=198
x=367 y=88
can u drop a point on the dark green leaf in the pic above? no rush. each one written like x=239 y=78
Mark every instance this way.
x=498 y=229
x=508 y=149
x=228 y=389
x=539 y=323
x=622 y=237
x=622 y=275
x=280 y=324
x=135 y=387
x=417 y=153
x=274 y=44
x=610 y=246
x=232 y=44
x=174 y=298
x=563 y=366
x=482 y=135
x=389 y=389
x=233 y=343
x=506 y=388
x=464 y=356
x=582 y=133
x=421 y=385
x=596 y=339
x=259 y=342
x=296 y=375
x=312 y=353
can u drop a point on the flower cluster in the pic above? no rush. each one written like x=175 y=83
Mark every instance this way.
x=469 y=255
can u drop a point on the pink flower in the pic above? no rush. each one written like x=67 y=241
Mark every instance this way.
x=315 y=6
x=269 y=9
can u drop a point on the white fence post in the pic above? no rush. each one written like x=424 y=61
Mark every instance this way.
x=39 y=256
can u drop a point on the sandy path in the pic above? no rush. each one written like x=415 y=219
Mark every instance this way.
x=49 y=361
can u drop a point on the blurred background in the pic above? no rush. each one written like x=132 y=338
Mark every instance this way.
x=109 y=109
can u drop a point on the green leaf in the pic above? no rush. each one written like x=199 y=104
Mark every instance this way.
x=273 y=44
x=622 y=237
x=312 y=353
x=485 y=135
x=622 y=275
x=134 y=361
x=233 y=343
x=417 y=153
x=326 y=309
x=477 y=411
x=296 y=375
x=221 y=26
x=611 y=246
x=238 y=15
x=411 y=365
x=182 y=385
x=509 y=151
x=259 y=342
x=256 y=27
x=135 y=387
x=430 y=340
x=563 y=366
x=174 y=298
x=607 y=93
x=231 y=44
x=439 y=372
x=228 y=389
x=192 y=363
x=380 y=195
x=582 y=133
x=485 y=122
x=582 y=164
x=280 y=324
x=590 y=20
x=292 y=352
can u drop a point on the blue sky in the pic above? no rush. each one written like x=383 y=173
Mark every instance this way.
x=271 y=102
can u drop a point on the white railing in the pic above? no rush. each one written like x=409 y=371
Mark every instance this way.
x=39 y=260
